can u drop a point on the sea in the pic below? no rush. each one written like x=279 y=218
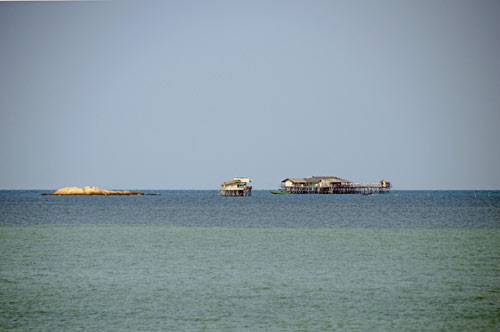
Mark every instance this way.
x=196 y=261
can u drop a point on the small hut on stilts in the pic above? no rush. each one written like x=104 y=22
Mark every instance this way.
x=236 y=187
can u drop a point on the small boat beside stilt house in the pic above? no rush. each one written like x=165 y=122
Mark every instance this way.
x=236 y=187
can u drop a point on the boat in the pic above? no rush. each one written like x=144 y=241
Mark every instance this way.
x=367 y=194
x=280 y=192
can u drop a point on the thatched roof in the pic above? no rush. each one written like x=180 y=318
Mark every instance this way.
x=317 y=179
x=235 y=181
x=295 y=180
x=331 y=179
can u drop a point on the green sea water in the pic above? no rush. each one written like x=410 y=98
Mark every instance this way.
x=175 y=278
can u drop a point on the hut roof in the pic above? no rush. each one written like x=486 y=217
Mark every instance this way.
x=317 y=179
x=330 y=179
x=295 y=180
x=236 y=181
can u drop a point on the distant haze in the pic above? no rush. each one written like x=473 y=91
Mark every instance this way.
x=188 y=94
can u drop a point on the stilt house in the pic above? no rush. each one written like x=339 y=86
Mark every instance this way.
x=236 y=187
x=331 y=185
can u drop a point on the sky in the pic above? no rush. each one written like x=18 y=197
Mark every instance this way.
x=189 y=94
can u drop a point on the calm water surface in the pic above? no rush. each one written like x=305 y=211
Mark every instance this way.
x=191 y=260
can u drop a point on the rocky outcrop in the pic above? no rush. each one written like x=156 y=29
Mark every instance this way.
x=91 y=191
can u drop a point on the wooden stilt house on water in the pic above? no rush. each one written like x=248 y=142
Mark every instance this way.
x=331 y=185
x=236 y=187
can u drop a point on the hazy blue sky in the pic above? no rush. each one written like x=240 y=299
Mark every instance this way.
x=188 y=94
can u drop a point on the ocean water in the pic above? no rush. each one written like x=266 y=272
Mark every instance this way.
x=195 y=261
